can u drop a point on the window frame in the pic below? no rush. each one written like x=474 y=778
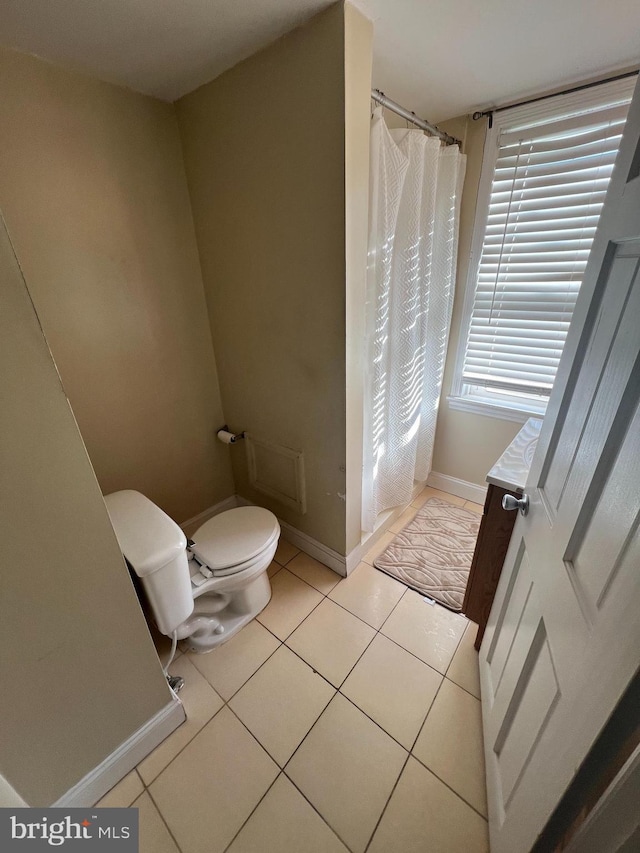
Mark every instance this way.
x=463 y=397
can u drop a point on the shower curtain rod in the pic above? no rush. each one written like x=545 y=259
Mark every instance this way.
x=482 y=113
x=380 y=98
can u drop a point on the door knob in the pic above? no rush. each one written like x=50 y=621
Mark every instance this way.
x=512 y=502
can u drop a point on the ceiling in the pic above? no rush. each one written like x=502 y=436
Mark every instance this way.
x=440 y=58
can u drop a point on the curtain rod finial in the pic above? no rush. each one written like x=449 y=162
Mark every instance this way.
x=488 y=113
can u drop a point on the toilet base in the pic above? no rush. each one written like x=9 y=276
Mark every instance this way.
x=215 y=621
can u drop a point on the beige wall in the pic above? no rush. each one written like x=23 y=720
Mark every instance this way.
x=357 y=61
x=264 y=150
x=78 y=670
x=93 y=189
x=467 y=444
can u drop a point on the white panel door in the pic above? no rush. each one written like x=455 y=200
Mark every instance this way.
x=563 y=639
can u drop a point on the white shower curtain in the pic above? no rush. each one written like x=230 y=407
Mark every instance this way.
x=415 y=188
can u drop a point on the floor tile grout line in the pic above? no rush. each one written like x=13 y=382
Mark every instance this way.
x=344 y=607
x=315 y=808
x=182 y=748
x=146 y=788
x=458 y=644
x=333 y=687
x=422 y=764
x=322 y=566
x=447 y=785
x=312 y=727
x=308 y=583
x=393 y=608
x=284 y=642
x=163 y=819
x=317 y=671
x=431 y=704
x=359 y=657
x=327 y=596
x=303 y=620
x=293 y=574
x=312 y=668
x=282 y=770
x=298 y=551
x=442 y=679
x=255 y=737
x=268 y=658
x=411 y=751
x=336 y=690
x=429 y=770
x=351 y=702
x=388 y=800
x=268 y=629
x=346 y=610
x=300 y=577
x=413 y=746
x=451 y=681
x=375 y=722
x=203 y=727
x=408 y=651
x=251 y=813
x=280 y=643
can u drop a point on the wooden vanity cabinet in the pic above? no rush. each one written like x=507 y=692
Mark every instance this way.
x=507 y=477
x=491 y=548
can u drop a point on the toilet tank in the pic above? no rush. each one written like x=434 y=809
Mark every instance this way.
x=155 y=548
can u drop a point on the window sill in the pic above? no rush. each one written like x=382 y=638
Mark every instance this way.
x=491 y=410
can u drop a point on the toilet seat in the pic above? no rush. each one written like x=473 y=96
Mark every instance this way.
x=202 y=594
x=235 y=540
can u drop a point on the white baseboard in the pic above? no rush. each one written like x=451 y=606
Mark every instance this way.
x=192 y=524
x=9 y=797
x=443 y=482
x=314 y=549
x=325 y=555
x=115 y=767
x=461 y=488
x=301 y=540
x=383 y=523
x=340 y=564
x=354 y=558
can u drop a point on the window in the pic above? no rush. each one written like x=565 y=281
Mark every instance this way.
x=545 y=174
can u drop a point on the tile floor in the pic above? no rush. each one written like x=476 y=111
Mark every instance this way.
x=346 y=717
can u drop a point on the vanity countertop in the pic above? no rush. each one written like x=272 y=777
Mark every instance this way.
x=512 y=469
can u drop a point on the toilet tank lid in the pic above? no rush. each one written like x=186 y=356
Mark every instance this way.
x=148 y=538
x=234 y=536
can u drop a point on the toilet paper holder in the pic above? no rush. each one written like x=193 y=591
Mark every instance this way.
x=226 y=436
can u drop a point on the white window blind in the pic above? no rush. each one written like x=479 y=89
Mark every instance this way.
x=547 y=192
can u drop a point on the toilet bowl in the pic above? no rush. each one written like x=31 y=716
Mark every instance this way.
x=205 y=589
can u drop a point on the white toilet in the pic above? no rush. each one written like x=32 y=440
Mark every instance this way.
x=204 y=590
